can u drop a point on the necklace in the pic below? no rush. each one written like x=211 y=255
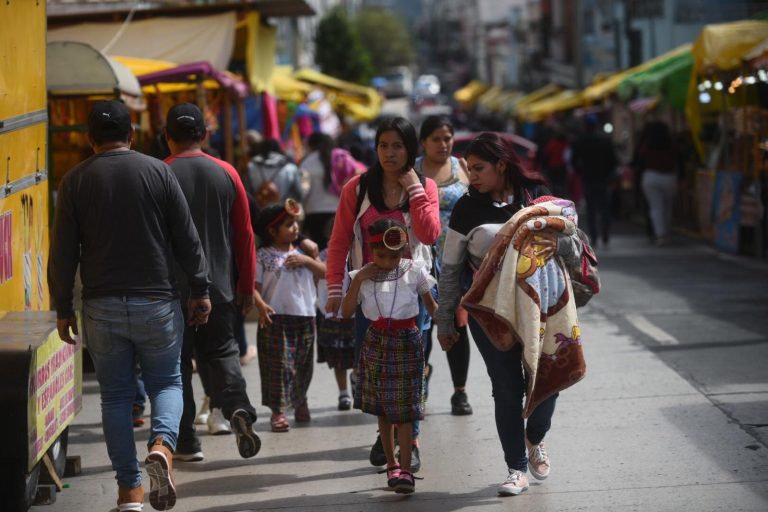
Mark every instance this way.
x=392 y=307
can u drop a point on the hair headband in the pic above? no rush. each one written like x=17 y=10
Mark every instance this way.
x=291 y=207
x=394 y=238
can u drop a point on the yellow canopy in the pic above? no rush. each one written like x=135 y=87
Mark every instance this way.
x=564 y=100
x=286 y=87
x=470 y=92
x=602 y=88
x=721 y=46
x=146 y=66
x=489 y=96
x=503 y=101
x=362 y=102
x=522 y=103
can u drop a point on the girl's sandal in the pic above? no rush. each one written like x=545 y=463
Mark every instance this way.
x=279 y=423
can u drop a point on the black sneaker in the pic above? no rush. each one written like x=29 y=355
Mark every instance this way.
x=415 y=460
x=459 y=404
x=248 y=442
x=377 y=457
x=345 y=402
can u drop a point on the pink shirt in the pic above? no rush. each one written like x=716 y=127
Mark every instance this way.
x=425 y=226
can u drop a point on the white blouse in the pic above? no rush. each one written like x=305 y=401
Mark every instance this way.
x=290 y=291
x=395 y=294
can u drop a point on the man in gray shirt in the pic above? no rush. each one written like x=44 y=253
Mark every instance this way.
x=122 y=217
x=219 y=208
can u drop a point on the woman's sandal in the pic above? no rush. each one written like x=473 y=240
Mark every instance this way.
x=279 y=423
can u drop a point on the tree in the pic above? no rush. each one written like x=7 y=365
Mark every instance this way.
x=386 y=37
x=338 y=50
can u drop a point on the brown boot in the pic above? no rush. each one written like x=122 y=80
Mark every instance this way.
x=159 y=466
x=130 y=500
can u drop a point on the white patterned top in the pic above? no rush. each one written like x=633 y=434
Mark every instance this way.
x=290 y=291
x=395 y=294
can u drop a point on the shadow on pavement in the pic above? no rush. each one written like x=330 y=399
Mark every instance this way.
x=364 y=500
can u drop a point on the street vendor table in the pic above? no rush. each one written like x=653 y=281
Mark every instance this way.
x=41 y=392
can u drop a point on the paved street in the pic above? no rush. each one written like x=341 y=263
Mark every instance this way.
x=672 y=415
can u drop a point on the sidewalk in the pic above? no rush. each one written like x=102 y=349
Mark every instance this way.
x=633 y=435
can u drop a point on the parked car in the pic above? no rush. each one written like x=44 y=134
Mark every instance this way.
x=525 y=149
x=398 y=82
x=426 y=85
x=430 y=104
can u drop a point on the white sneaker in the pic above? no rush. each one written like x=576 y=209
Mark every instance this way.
x=515 y=483
x=217 y=425
x=189 y=457
x=202 y=416
x=538 y=461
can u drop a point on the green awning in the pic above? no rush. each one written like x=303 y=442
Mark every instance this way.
x=667 y=79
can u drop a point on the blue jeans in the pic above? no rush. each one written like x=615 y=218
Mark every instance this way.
x=508 y=386
x=141 y=393
x=116 y=330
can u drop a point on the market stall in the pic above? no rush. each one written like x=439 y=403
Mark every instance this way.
x=726 y=109
x=212 y=90
x=358 y=101
x=77 y=76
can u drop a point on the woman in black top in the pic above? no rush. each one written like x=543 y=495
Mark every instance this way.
x=499 y=187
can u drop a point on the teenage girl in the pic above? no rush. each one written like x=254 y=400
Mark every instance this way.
x=451 y=175
x=286 y=280
x=391 y=365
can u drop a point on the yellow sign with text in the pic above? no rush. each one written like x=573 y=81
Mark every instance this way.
x=55 y=393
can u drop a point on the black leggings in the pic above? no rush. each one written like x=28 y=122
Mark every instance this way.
x=458 y=356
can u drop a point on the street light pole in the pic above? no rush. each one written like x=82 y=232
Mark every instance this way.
x=578 y=44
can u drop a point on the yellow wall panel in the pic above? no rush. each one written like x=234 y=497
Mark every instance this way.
x=24 y=249
x=22 y=57
x=21 y=146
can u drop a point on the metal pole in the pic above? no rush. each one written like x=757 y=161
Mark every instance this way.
x=578 y=44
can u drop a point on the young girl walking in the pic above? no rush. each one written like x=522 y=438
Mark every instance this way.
x=286 y=280
x=391 y=366
x=335 y=340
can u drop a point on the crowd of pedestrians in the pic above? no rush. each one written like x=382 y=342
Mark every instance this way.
x=359 y=263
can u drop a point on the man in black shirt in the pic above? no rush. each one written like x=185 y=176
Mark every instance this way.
x=122 y=217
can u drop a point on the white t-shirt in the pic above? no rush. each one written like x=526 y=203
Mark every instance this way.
x=319 y=199
x=290 y=291
x=395 y=294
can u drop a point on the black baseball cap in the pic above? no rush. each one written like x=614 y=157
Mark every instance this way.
x=109 y=121
x=185 y=123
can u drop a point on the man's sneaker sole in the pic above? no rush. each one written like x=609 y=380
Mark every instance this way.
x=248 y=443
x=162 y=493
x=129 y=507
x=189 y=457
